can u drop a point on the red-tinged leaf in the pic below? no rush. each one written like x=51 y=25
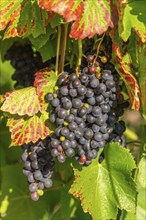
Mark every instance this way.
x=123 y=66
x=45 y=81
x=10 y=13
x=94 y=19
x=25 y=130
x=22 y=102
x=90 y=17
x=141 y=55
x=67 y=8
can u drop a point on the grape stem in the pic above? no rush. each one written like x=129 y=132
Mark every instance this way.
x=80 y=56
x=98 y=47
x=58 y=49
x=99 y=153
x=64 y=40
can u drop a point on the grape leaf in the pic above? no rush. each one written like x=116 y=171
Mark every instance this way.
x=29 y=129
x=123 y=66
x=22 y=102
x=90 y=17
x=10 y=13
x=40 y=41
x=134 y=16
x=141 y=54
x=108 y=185
x=45 y=81
x=22 y=18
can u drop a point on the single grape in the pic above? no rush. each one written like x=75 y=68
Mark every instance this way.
x=62 y=113
x=63 y=91
x=70 y=118
x=38 y=175
x=76 y=83
x=54 y=142
x=24 y=156
x=84 y=78
x=55 y=102
x=95 y=128
x=96 y=111
x=33 y=156
x=33 y=187
x=30 y=178
x=73 y=92
x=91 y=119
x=49 y=97
x=66 y=144
x=73 y=126
x=34 y=196
x=90 y=58
x=91 y=101
x=61 y=158
x=78 y=132
x=91 y=69
x=82 y=111
x=27 y=165
x=94 y=83
x=64 y=131
x=89 y=93
x=94 y=144
x=48 y=183
x=70 y=152
x=81 y=90
x=98 y=136
x=54 y=152
x=88 y=133
x=77 y=103
x=34 y=164
x=73 y=77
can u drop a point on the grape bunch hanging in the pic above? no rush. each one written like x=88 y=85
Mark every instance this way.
x=86 y=109
x=26 y=63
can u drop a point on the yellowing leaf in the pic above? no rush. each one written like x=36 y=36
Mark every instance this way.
x=10 y=13
x=90 y=17
x=45 y=81
x=103 y=188
x=25 y=130
x=22 y=102
x=123 y=66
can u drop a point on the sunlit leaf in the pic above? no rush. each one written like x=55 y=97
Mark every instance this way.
x=22 y=102
x=123 y=66
x=10 y=13
x=29 y=129
x=141 y=54
x=90 y=17
x=102 y=188
x=45 y=81
x=133 y=17
x=22 y=18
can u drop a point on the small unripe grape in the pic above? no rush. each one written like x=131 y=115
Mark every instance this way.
x=104 y=59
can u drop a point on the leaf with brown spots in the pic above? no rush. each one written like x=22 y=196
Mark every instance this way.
x=45 y=81
x=90 y=17
x=22 y=102
x=29 y=129
x=103 y=188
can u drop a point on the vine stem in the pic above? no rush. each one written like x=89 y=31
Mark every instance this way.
x=64 y=40
x=98 y=47
x=58 y=49
x=80 y=56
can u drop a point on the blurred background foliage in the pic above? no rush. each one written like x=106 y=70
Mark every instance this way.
x=56 y=204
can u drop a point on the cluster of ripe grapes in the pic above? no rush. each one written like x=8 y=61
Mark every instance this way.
x=38 y=167
x=26 y=63
x=86 y=108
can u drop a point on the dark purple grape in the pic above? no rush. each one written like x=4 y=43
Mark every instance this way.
x=96 y=111
x=64 y=131
x=82 y=90
x=70 y=152
x=91 y=101
x=88 y=133
x=55 y=102
x=98 y=136
x=66 y=144
x=73 y=92
x=73 y=77
x=49 y=97
x=82 y=111
x=77 y=103
x=63 y=91
x=76 y=83
x=94 y=83
x=48 y=183
x=62 y=113
x=38 y=175
x=70 y=118
x=61 y=158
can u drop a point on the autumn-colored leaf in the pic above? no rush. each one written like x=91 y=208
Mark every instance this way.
x=123 y=66
x=45 y=81
x=22 y=102
x=29 y=129
x=141 y=55
x=22 y=18
x=10 y=13
x=90 y=17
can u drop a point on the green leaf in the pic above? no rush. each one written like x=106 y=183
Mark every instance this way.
x=141 y=175
x=90 y=17
x=28 y=129
x=22 y=102
x=102 y=188
x=40 y=41
x=45 y=81
x=133 y=17
x=48 y=51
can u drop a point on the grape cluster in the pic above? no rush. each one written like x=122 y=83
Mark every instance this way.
x=86 y=110
x=26 y=63
x=38 y=167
